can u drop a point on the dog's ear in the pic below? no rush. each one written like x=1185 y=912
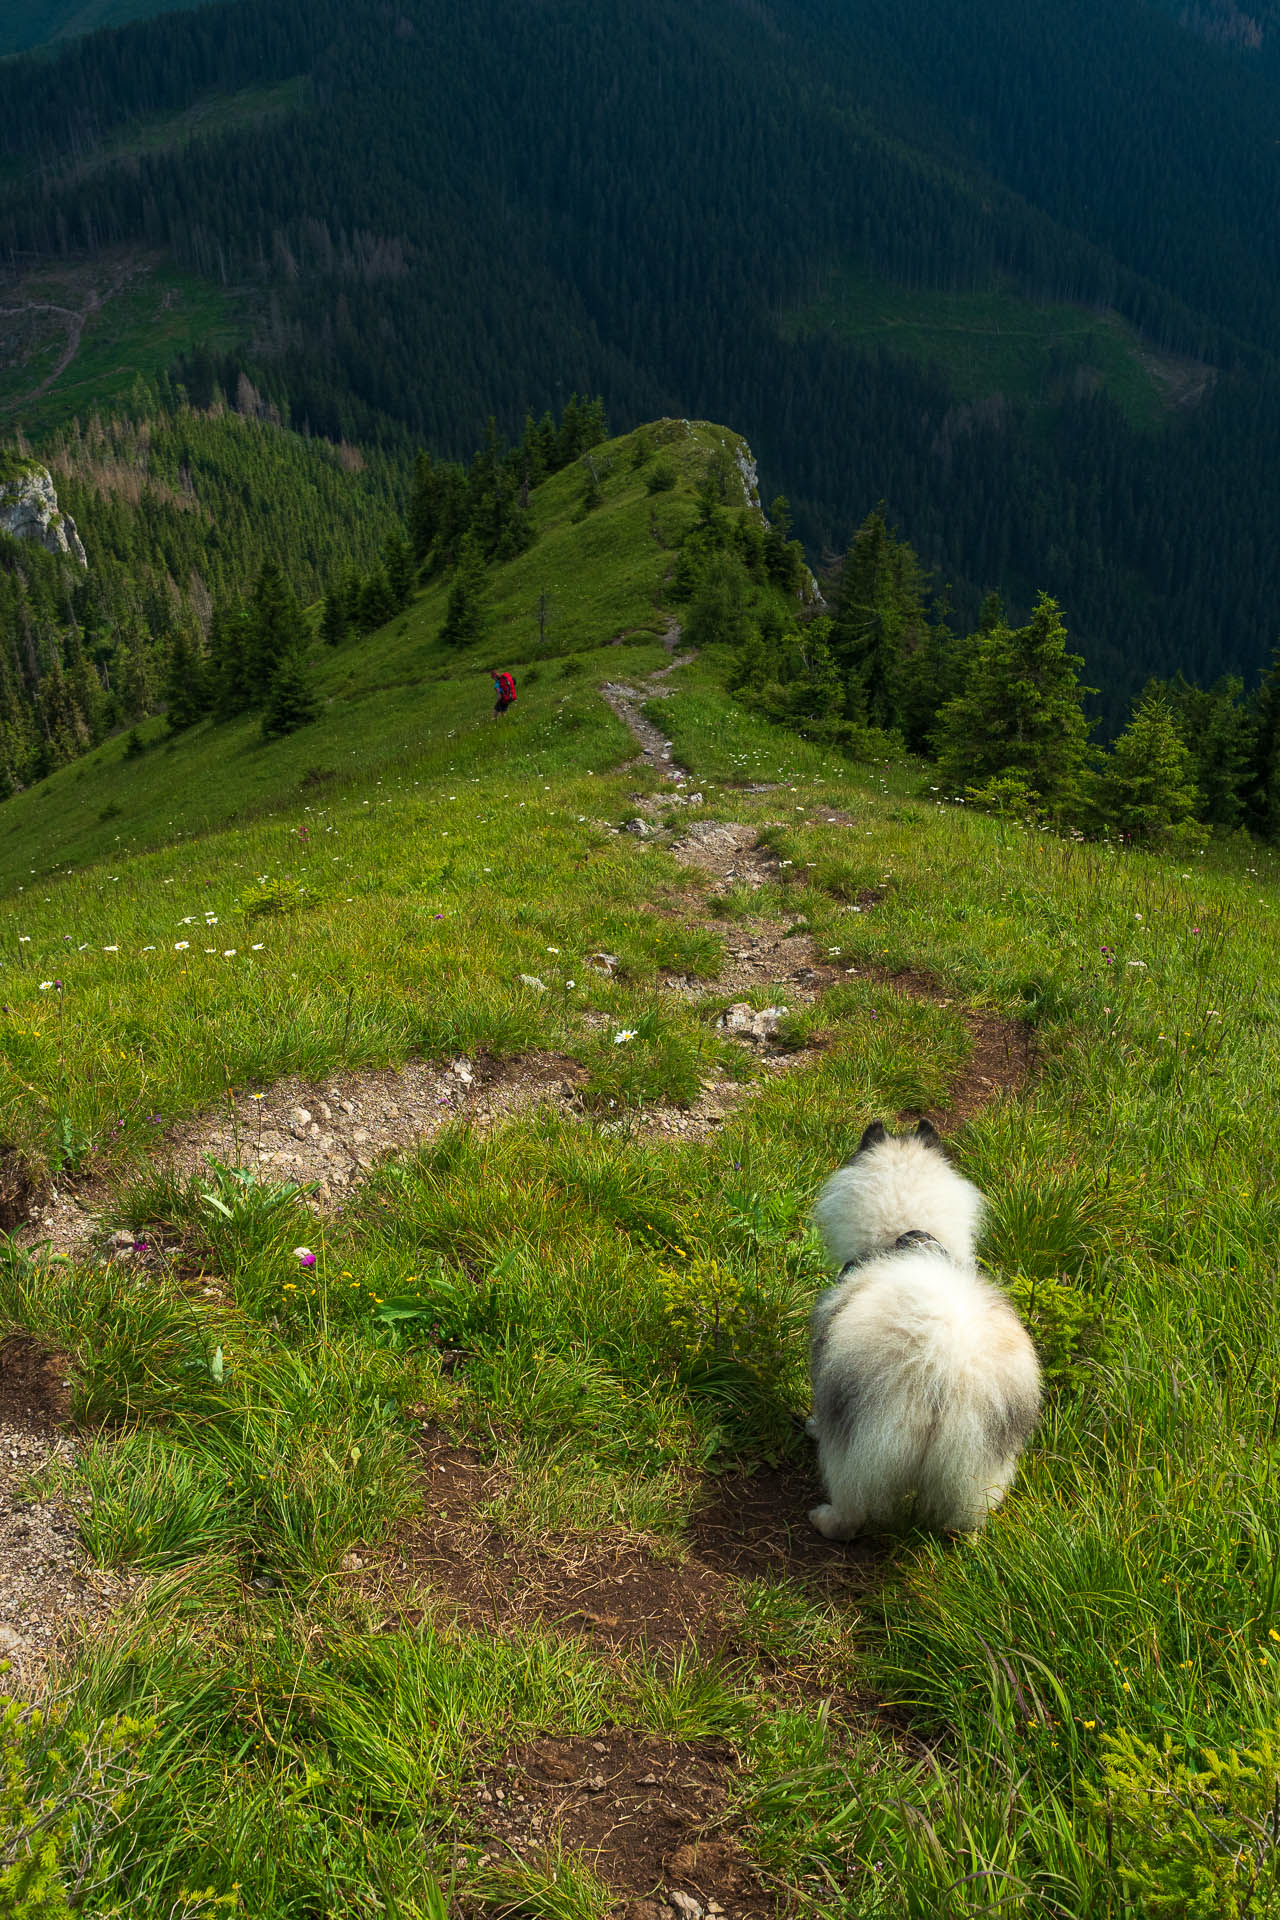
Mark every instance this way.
x=928 y=1136
x=874 y=1134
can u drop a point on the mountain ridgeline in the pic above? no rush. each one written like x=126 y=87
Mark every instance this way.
x=1002 y=269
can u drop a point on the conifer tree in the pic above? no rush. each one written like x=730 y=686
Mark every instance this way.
x=423 y=506
x=276 y=628
x=819 y=692
x=1219 y=729
x=333 y=621
x=186 y=687
x=465 y=617
x=881 y=634
x=1021 y=716
x=718 y=613
x=291 y=697
x=1262 y=793
x=1146 y=784
x=230 y=681
x=377 y=601
x=398 y=566
x=783 y=556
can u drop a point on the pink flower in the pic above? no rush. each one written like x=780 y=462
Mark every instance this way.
x=304 y=1256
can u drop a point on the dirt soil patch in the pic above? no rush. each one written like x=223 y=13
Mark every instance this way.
x=48 y=1591
x=609 y=1587
x=323 y=1134
x=17 y=1190
x=327 y=1135
x=726 y=851
x=1003 y=1060
x=648 y=1815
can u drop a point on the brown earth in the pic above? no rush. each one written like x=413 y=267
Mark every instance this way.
x=609 y=1587
x=648 y=1815
x=48 y=1591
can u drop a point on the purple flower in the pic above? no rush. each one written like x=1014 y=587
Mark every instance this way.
x=304 y=1256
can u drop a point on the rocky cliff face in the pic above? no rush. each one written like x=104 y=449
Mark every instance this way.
x=29 y=511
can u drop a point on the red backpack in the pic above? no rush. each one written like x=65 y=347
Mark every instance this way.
x=506 y=686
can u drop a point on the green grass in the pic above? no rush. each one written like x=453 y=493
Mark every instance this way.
x=997 y=341
x=611 y=1320
x=148 y=314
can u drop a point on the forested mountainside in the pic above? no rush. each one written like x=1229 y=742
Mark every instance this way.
x=1003 y=270
x=31 y=23
x=179 y=510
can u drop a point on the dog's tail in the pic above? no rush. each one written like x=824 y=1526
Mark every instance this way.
x=988 y=1407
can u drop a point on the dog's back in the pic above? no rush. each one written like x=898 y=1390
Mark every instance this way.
x=925 y=1383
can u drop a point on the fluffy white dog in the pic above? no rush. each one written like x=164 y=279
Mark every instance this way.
x=925 y=1382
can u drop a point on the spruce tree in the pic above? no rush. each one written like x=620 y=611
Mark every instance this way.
x=1021 y=716
x=1146 y=783
x=1262 y=791
x=819 y=692
x=291 y=698
x=465 y=617
x=398 y=565
x=230 y=680
x=186 y=688
x=377 y=601
x=881 y=634
x=333 y=621
x=423 y=506
x=276 y=629
x=718 y=614
x=1219 y=728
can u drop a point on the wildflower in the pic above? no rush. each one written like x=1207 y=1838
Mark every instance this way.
x=22 y=937
x=1090 y=1725
x=148 y=949
x=304 y=1256
x=45 y=985
x=228 y=953
x=623 y=1033
x=570 y=983
x=1137 y=963
x=553 y=949
x=111 y=949
x=257 y=946
x=180 y=946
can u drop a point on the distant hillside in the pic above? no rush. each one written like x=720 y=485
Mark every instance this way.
x=1002 y=269
x=32 y=23
x=586 y=581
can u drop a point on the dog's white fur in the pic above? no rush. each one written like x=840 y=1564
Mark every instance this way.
x=925 y=1382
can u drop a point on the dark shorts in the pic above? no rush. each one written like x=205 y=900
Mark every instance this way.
x=501 y=704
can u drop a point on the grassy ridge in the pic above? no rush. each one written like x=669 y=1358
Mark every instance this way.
x=993 y=342
x=613 y=1322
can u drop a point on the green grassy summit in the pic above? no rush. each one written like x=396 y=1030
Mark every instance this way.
x=503 y=1494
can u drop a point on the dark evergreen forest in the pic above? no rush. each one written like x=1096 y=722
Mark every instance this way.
x=488 y=206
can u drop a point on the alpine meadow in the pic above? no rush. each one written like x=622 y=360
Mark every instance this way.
x=639 y=797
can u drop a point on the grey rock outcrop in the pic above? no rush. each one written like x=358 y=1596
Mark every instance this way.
x=29 y=510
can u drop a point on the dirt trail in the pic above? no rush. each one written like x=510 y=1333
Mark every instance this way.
x=656 y=750
x=48 y=1589
x=76 y=318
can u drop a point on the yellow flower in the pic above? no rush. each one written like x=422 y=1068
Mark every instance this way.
x=1090 y=1725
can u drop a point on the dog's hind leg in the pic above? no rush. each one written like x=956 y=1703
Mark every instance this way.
x=833 y=1524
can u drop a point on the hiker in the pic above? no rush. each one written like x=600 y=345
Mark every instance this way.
x=505 y=688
